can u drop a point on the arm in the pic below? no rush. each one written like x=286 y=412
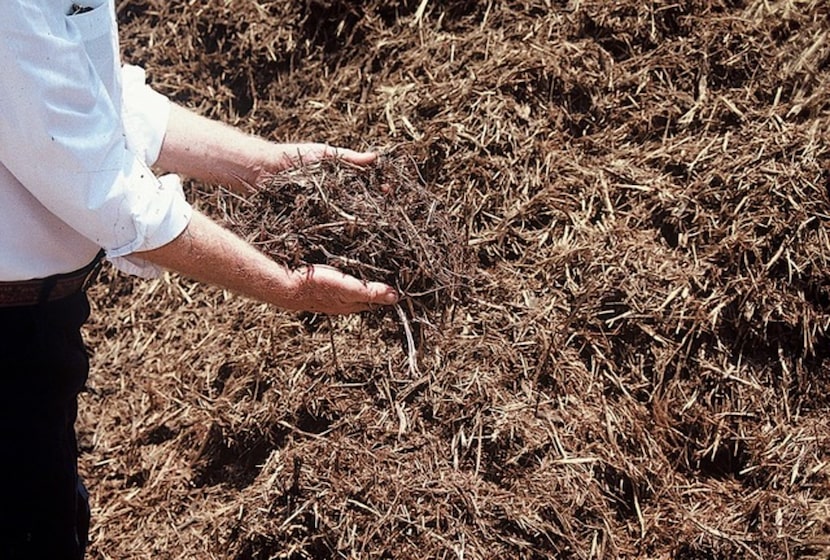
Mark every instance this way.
x=214 y=152
x=208 y=253
x=217 y=153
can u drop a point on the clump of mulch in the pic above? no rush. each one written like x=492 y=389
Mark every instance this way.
x=377 y=223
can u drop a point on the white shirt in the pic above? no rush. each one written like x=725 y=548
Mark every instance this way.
x=77 y=136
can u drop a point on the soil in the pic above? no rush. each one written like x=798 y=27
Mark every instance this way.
x=625 y=353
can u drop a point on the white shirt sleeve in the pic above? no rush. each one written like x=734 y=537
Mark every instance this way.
x=146 y=113
x=71 y=141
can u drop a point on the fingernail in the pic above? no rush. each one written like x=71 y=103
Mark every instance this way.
x=390 y=298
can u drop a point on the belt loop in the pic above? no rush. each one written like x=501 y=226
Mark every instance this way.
x=46 y=289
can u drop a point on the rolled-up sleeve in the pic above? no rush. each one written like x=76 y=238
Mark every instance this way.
x=79 y=146
x=146 y=113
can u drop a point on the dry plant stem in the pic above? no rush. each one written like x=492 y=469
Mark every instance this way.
x=412 y=354
x=333 y=346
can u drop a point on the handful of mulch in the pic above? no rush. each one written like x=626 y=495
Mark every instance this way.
x=377 y=223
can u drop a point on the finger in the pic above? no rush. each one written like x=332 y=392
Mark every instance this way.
x=337 y=292
x=359 y=292
x=381 y=294
x=351 y=156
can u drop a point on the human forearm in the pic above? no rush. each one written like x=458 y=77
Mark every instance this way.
x=212 y=151
x=217 y=153
x=208 y=253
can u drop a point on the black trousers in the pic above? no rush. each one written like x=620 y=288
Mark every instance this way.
x=44 y=513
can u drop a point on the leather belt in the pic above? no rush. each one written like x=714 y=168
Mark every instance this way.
x=41 y=290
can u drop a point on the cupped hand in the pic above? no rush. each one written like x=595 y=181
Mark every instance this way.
x=324 y=289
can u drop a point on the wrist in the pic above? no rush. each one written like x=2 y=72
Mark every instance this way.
x=258 y=161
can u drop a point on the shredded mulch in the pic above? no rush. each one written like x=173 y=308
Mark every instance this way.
x=618 y=209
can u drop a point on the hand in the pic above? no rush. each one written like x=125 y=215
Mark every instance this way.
x=323 y=289
x=296 y=155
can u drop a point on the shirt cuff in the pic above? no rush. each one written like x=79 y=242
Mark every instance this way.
x=145 y=114
x=154 y=229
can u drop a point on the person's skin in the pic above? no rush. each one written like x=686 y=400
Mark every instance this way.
x=214 y=152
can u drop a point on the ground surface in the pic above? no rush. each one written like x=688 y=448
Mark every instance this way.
x=639 y=366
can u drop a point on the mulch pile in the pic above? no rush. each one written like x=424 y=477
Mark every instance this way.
x=634 y=363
